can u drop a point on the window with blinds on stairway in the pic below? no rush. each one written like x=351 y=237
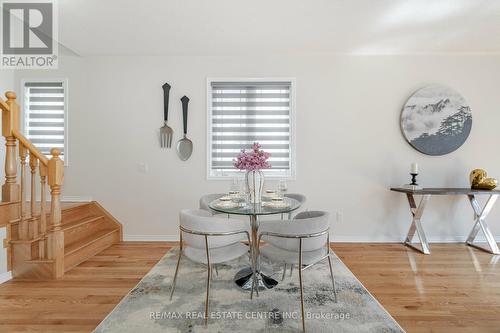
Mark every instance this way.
x=244 y=111
x=45 y=115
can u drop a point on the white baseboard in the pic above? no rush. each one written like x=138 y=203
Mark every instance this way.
x=4 y=277
x=151 y=238
x=333 y=239
x=447 y=239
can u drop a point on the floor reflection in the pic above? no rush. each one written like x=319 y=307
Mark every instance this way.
x=412 y=259
x=473 y=258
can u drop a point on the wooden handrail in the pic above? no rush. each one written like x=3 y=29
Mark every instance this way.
x=4 y=106
x=31 y=226
x=31 y=148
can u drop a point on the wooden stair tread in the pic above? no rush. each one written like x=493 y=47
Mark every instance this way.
x=75 y=224
x=8 y=203
x=72 y=204
x=74 y=247
x=8 y=212
x=40 y=261
x=25 y=241
x=76 y=213
x=65 y=206
x=68 y=206
x=86 y=229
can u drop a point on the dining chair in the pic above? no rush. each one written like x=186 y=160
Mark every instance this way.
x=303 y=241
x=297 y=196
x=210 y=240
x=302 y=199
x=207 y=199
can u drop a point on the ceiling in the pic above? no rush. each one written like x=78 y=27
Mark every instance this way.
x=251 y=27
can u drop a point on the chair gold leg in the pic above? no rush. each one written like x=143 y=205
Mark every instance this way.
x=328 y=251
x=209 y=273
x=208 y=294
x=254 y=274
x=284 y=271
x=177 y=267
x=254 y=253
x=175 y=274
x=301 y=287
x=333 y=279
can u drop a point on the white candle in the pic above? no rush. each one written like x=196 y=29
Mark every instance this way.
x=414 y=168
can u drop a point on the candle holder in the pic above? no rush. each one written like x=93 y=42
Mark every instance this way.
x=413 y=185
x=414 y=179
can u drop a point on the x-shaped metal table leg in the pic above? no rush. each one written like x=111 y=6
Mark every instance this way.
x=416 y=225
x=480 y=223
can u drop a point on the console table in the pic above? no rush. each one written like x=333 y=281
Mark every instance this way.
x=480 y=215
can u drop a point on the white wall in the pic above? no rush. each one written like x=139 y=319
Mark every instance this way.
x=7 y=82
x=349 y=146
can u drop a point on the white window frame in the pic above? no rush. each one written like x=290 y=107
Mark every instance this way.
x=293 y=157
x=66 y=117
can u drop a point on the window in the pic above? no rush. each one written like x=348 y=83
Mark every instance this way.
x=45 y=115
x=241 y=112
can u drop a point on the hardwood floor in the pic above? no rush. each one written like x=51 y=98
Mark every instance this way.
x=455 y=289
x=85 y=295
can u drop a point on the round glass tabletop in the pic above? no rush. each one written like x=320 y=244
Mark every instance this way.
x=262 y=208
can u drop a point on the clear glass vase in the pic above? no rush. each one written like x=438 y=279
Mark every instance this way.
x=255 y=185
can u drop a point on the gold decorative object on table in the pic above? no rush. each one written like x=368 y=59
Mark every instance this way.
x=479 y=180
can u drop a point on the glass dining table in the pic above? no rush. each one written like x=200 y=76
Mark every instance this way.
x=244 y=277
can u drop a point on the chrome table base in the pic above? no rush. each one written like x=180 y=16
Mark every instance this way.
x=417 y=213
x=244 y=279
x=480 y=215
x=254 y=210
x=480 y=223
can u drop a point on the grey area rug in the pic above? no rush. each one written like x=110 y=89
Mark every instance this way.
x=147 y=307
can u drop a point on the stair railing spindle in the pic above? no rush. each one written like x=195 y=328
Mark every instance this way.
x=33 y=167
x=43 y=211
x=23 y=223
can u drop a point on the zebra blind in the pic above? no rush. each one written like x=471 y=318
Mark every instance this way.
x=246 y=112
x=44 y=112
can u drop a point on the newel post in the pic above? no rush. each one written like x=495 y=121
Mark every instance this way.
x=10 y=121
x=56 y=235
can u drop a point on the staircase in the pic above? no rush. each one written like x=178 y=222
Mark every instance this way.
x=88 y=229
x=9 y=210
x=45 y=242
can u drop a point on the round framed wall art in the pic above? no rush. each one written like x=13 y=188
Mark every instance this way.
x=436 y=120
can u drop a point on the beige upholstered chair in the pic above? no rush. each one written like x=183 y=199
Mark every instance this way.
x=210 y=240
x=299 y=197
x=207 y=199
x=303 y=241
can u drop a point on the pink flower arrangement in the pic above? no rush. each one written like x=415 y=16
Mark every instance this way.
x=254 y=159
